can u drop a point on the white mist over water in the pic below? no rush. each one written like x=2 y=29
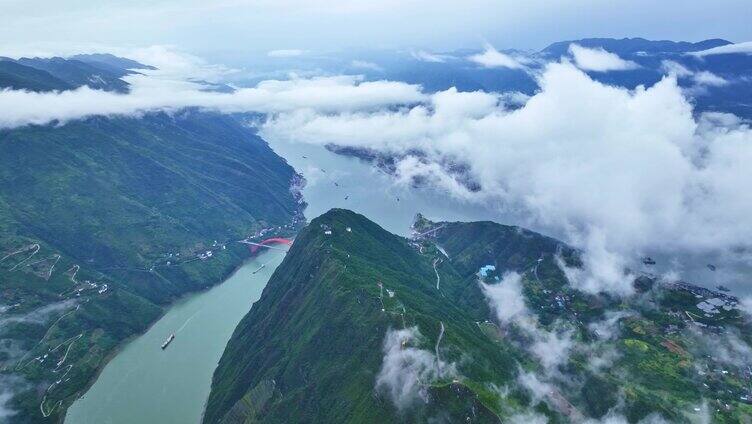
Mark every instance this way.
x=374 y=194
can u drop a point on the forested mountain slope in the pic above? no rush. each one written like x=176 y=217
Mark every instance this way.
x=472 y=322
x=104 y=221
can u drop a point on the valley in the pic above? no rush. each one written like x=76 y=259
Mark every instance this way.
x=414 y=238
x=100 y=234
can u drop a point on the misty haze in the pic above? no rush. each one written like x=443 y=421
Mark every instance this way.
x=249 y=211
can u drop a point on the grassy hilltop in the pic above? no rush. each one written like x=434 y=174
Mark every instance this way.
x=319 y=345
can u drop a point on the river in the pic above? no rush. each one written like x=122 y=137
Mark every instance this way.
x=144 y=384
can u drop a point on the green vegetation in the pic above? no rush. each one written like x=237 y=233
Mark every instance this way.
x=313 y=347
x=319 y=327
x=77 y=73
x=98 y=71
x=103 y=222
x=21 y=77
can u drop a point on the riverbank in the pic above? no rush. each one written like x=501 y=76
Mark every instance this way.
x=117 y=350
x=142 y=376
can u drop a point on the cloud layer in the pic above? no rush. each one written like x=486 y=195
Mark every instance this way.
x=149 y=93
x=613 y=171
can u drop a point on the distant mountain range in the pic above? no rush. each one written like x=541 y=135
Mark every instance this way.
x=632 y=46
x=98 y=71
x=729 y=93
x=727 y=90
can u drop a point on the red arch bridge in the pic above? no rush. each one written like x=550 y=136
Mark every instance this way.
x=270 y=243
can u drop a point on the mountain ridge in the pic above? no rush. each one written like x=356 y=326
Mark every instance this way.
x=634 y=45
x=97 y=71
x=360 y=325
x=106 y=221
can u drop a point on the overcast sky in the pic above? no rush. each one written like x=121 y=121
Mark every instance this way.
x=224 y=29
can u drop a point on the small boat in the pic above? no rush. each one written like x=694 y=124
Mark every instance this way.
x=711 y=267
x=168 y=341
x=259 y=268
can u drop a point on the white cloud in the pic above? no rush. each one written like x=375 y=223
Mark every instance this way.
x=406 y=369
x=701 y=79
x=675 y=69
x=745 y=305
x=362 y=64
x=601 y=353
x=10 y=385
x=152 y=92
x=738 y=48
x=492 y=58
x=708 y=78
x=539 y=389
x=704 y=415
x=426 y=56
x=544 y=391
x=552 y=348
x=39 y=315
x=727 y=348
x=528 y=418
x=507 y=301
x=603 y=270
x=286 y=53
x=173 y=63
x=505 y=298
x=609 y=170
x=608 y=327
x=599 y=60
x=600 y=356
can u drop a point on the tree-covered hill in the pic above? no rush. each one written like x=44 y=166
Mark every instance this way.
x=105 y=221
x=311 y=347
x=472 y=322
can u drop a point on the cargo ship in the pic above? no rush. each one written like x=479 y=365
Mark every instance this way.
x=168 y=341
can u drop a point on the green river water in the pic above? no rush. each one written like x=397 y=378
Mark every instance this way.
x=145 y=384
